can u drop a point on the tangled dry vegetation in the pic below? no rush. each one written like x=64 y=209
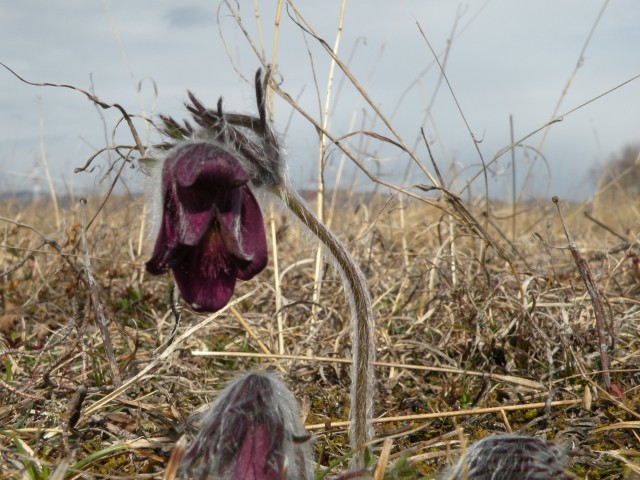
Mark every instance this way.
x=472 y=339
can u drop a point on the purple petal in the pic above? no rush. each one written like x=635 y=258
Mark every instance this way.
x=204 y=165
x=206 y=275
x=252 y=461
x=195 y=178
x=254 y=240
x=158 y=263
x=167 y=241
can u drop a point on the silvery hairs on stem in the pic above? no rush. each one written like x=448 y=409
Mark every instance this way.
x=509 y=457
x=253 y=431
x=252 y=142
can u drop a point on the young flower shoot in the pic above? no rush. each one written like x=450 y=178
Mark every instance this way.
x=253 y=431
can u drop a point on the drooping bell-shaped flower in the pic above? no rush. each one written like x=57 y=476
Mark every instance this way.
x=211 y=231
x=253 y=431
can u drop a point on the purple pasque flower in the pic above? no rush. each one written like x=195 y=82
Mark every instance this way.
x=211 y=231
x=253 y=431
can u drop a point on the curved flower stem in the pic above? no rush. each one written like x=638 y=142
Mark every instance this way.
x=362 y=323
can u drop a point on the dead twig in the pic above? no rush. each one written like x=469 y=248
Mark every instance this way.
x=605 y=227
x=97 y=304
x=587 y=278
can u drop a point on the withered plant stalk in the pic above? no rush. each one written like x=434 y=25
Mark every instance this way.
x=101 y=320
x=590 y=284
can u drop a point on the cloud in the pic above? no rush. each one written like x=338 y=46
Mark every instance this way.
x=506 y=60
x=188 y=17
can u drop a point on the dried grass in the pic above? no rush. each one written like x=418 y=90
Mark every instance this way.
x=508 y=347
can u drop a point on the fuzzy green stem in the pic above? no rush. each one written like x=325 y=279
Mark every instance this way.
x=362 y=324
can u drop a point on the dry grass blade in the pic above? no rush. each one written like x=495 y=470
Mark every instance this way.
x=618 y=425
x=345 y=69
x=523 y=382
x=565 y=89
x=92 y=98
x=252 y=333
x=476 y=143
x=61 y=470
x=457 y=413
x=621 y=455
x=174 y=461
x=378 y=473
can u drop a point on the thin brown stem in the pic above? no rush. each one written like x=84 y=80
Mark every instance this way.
x=101 y=321
x=587 y=278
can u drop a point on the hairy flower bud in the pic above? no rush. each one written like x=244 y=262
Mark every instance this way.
x=253 y=431
x=511 y=457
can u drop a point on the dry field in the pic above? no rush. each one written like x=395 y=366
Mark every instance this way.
x=489 y=318
x=472 y=338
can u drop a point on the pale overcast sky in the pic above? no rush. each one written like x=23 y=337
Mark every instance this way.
x=508 y=57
